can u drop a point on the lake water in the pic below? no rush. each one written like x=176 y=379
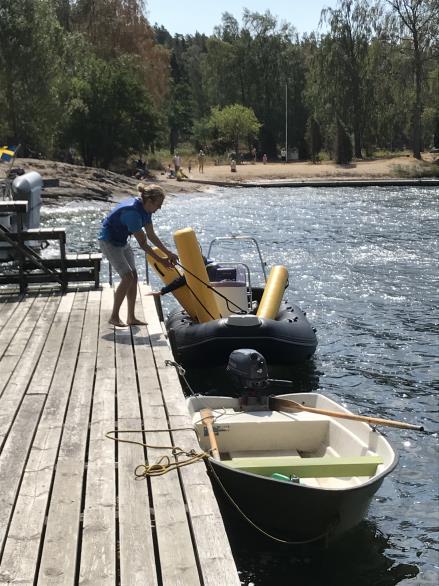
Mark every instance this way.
x=363 y=264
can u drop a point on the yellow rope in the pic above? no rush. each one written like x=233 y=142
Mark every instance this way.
x=164 y=464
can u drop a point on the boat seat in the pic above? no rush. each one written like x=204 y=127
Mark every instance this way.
x=324 y=467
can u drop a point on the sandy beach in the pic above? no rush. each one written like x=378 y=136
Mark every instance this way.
x=296 y=171
x=79 y=182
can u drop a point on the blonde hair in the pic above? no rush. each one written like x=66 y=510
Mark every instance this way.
x=151 y=191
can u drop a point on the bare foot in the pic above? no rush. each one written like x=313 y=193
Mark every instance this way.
x=136 y=322
x=117 y=322
x=155 y=293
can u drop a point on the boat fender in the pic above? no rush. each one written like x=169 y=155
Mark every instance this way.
x=204 y=307
x=248 y=320
x=274 y=289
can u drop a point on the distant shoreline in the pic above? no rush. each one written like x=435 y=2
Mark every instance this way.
x=89 y=183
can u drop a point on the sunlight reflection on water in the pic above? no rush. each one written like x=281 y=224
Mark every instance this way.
x=363 y=264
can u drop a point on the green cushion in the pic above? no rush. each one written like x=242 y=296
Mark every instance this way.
x=308 y=467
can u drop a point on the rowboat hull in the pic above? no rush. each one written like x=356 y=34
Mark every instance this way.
x=301 y=477
x=291 y=512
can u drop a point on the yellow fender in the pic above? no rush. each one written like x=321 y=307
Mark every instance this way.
x=167 y=275
x=273 y=292
x=191 y=258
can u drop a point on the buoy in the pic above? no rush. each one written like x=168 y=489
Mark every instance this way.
x=191 y=258
x=273 y=292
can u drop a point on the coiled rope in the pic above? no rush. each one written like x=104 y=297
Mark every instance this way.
x=163 y=464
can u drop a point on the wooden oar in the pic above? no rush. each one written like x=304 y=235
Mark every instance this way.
x=277 y=404
x=207 y=418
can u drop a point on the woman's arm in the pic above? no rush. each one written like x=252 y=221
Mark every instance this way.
x=143 y=243
x=149 y=228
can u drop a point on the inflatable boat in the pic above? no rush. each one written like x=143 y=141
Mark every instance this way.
x=221 y=310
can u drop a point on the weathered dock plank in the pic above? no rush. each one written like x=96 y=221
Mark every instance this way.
x=98 y=556
x=71 y=510
x=18 y=367
x=9 y=302
x=178 y=561
x=215 y=558
x=14 y=321
x=33 y=498
x=136 y=549
x=64 y=519
x=45 y=369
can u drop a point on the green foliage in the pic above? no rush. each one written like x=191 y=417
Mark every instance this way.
x=180 y=103
x=235 y=123
x=343 y=144
x=95 y=75
x=344 y=75
x=416 y=25
x=420 y=169
x=313 y=138
x=202 y=132
x=110 y=112
x=31 y=46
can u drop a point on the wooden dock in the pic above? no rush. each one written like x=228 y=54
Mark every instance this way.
x=71 y=509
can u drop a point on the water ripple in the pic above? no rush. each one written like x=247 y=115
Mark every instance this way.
x=363 y=264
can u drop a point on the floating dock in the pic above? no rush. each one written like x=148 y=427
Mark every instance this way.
x=71 y=509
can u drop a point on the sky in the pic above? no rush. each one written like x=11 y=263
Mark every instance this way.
x=186 y=17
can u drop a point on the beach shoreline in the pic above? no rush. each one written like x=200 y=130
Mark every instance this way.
x=79 y=182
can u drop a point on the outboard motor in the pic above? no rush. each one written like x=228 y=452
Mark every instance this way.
x=248 y=369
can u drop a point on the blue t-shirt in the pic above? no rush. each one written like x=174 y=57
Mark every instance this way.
x=127 y=218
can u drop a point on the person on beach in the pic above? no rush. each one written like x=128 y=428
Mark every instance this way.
x=177 y=162
x=132 y=217
x=201 y=161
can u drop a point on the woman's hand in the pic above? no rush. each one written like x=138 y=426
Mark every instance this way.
x=172 y=257
x=166 y=262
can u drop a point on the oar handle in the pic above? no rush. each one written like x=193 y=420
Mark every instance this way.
x=278 y=404
x=207 y=419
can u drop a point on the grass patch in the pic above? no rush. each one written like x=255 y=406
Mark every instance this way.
x=387 y=154
x=417 y=170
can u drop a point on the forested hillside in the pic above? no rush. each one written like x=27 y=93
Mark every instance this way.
x=92 y=79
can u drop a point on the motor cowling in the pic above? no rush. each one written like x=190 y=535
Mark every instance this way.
x=248 y=369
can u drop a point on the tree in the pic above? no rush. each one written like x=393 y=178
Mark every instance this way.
x=313 y=138
x=110 y=112
x=419 y=20
x=119 y=27
x=343 y=144
x=344 y=70
x=31 y=48
x=235 y=123
x=251 y=66
x=389 y=77
x=225 y=67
